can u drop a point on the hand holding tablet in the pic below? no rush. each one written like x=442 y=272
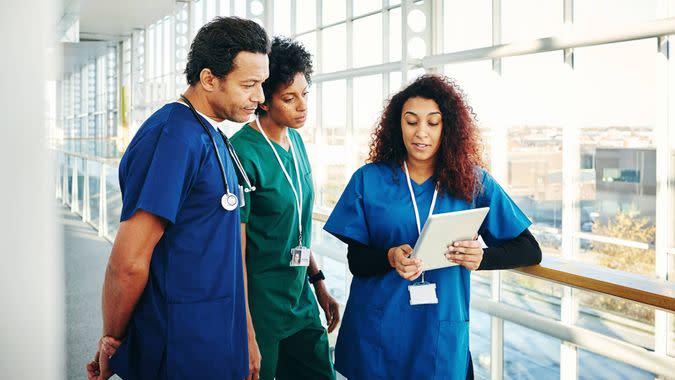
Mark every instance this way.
x=441 y=231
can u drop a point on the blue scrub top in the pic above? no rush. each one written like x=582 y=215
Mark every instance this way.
x=190 y=321
x=382 y=336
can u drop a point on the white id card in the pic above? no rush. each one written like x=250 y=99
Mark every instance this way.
x=300 y=256
x=421 y=294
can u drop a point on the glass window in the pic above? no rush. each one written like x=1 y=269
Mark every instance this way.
x=333 y=11
x=480 y=330
x=333 y=166
x=335 y=57
x=94 y=174
x=395 y=36
x=478 y=81
x=395 y=82
x=589 y=363
x=305 y=14
x=240 y=8
x=367 y=108
x=329 y=249
x=531 y=294
x=197 y=9
x=534 y=112
x=623 y=11
x=531 y=19
x=210 y=9
x=366 y=6
x=309 y=41
x=224 y=7
x=617 y=154
x=309 y=131
x=168 y=45
x=615 y=317
x=529 y=354
x=467 y=25
x=282 y=18
x=367 y=41
x=114 y=199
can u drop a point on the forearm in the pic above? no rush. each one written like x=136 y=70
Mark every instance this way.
x=121 y=291
x=518 y=252
x=313 y=269
x=249 y=319
x=127 y=272
x=367 y=262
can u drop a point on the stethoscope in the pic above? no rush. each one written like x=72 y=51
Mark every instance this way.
x=229 y=201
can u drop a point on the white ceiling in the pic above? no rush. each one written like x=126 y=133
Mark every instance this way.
x=118 y=17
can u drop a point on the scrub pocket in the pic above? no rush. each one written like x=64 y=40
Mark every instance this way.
x=200 y=340
x=452 y=355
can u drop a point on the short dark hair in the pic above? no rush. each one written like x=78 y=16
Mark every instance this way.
x=287 y=58
x=218 y=42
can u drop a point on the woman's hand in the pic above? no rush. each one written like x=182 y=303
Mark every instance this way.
x=406 y=267
x=467 y=253
x=330 y=306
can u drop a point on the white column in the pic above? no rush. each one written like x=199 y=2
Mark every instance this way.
x=31 y=273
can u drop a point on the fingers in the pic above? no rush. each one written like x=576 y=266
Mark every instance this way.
x=412 y=276
x=407 y=249
x=469 y=261
x=93 y=368
x=334 y=316
x=465 y=244
x=109 y=345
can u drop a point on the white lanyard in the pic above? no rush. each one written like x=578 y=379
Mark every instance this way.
x=414 y=202
x=298 y=200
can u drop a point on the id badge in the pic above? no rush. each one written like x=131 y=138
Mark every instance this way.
x=242 y=199
x=422 y=293
x=300 y=256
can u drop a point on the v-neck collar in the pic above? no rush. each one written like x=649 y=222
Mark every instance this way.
x=276 y=145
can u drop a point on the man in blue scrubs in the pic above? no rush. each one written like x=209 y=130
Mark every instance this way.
x=173 y=293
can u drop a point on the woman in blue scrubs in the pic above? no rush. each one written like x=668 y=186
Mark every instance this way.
x=424 y=158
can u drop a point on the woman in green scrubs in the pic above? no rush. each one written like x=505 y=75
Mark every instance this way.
x=283 y=321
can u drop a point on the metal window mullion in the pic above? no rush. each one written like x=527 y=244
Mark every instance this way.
x=663 y=213
x=293 y=21
x=73 y=185
x=497 y=32
x=86 y=214
x=405 y=34
x=496 y=332
x=103 y=200
x=268 y=16
x=350 y=167
x=570 y=198
x=385 y=46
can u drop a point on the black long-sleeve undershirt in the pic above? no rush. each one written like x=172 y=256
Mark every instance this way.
x=520 y=251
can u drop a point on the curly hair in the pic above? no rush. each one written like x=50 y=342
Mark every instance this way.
x=287 y=58
x=459 y=154
x=217 y=44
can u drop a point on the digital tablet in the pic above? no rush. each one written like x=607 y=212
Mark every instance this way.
x=441 y=230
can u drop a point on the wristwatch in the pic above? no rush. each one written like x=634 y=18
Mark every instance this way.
x=318 y=276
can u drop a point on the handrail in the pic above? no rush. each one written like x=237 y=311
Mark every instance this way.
x=649 y=291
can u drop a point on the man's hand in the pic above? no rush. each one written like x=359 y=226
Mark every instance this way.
x=254 y=359
x=406 y=267
x=98 y=369
x=330 y=306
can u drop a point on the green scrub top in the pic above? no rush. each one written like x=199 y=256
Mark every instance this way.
x=280 y=298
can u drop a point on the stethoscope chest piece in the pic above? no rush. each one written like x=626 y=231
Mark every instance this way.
x=229 y=201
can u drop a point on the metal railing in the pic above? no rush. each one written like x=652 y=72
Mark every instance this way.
x=89 y=185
